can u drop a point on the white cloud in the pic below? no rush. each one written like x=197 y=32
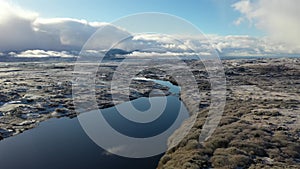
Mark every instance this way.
x=42 y=53
x=115 y=150
x=160 y=43
x=279 y=18
x=152 y=54
x=8 y=9
x=240 y=45
x=231 y=45
x=23 y=30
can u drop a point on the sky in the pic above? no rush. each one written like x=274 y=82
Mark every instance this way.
x=211 y=16
x=234 y=27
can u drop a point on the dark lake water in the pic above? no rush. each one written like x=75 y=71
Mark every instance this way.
x=63 y=144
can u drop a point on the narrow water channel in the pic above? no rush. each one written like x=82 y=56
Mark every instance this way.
x=62 y=143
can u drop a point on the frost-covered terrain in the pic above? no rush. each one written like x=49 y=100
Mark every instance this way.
x=33 y=92
x=259 y=127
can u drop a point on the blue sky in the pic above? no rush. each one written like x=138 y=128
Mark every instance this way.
x=210 y=16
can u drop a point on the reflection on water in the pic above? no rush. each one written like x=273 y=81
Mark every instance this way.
x=62 y=144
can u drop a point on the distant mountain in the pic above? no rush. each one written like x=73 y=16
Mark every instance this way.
x=112 y=54
x=36 y=59
x=116 y=54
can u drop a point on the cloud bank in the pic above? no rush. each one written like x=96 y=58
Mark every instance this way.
x=25 y=30
x=279 y=18
x=42 y=53
x=25 y=34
